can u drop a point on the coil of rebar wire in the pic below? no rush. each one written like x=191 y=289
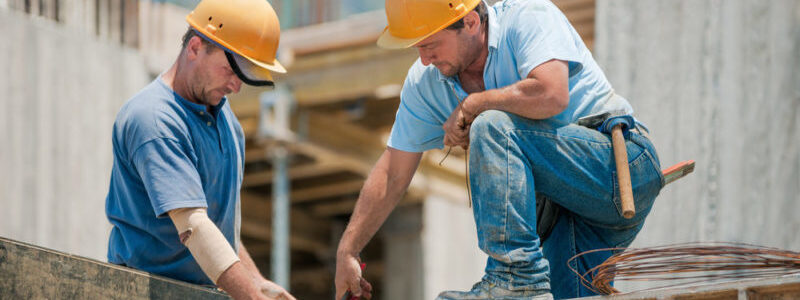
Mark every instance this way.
x=687 y=264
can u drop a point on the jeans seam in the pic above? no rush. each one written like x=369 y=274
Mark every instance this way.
x=571 y=222
x=506 y=203
x=554 y=136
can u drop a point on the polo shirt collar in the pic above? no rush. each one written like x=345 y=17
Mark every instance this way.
x=195 y=107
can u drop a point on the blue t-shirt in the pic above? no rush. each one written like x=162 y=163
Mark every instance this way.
x=522 y=35
x=170 y=153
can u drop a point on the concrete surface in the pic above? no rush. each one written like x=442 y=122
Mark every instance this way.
x=62 y=89
x=717 y=81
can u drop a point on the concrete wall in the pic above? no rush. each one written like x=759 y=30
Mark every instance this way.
x=717 y=81
x=62 y=89
x=452 y=259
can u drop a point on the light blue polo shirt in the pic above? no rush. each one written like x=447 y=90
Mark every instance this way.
x=171 y=153
x=522 y=35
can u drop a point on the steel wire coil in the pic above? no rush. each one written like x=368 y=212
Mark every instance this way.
x=687 y=264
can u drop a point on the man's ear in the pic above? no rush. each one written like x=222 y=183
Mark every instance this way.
x=193 y=47
x=472 y=22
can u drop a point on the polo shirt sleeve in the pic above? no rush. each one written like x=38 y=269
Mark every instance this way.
x=540 y=33
x=169 y=175
x=414 y=129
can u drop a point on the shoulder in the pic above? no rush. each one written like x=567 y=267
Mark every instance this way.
x=513 y=8
x=150 y=114
x=420 y=81
x=526 y=14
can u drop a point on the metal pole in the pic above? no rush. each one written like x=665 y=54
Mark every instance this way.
x=280 y=217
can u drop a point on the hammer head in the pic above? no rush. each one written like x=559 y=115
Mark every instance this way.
x=595 y=120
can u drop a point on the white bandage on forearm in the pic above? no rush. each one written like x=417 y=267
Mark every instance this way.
x=206 y=243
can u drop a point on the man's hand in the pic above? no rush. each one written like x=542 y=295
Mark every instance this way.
x=348 y=277
x=456 y=129
x=273 y=291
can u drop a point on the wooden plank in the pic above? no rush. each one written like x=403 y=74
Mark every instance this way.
x=299 y=172
x=262 y=231
x=327 y=191
x=353 y=31
x=31 y=272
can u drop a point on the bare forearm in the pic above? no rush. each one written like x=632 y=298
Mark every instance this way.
x=544 y=93
x=238 y=283
x=248 y=262
x=380 y=194
x=528 y=98
x=374 y=205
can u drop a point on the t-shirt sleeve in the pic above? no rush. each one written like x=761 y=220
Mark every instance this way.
x=169 y=175
x=541 y=33
x=414 y=129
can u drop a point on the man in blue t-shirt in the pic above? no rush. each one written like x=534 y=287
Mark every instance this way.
x=174 y=196
x=507 y=83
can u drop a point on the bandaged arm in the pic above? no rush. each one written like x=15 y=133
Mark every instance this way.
x=206 y=243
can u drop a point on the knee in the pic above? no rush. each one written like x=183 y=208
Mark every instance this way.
x=489 y=123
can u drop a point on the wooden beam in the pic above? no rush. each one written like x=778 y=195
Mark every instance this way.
x=321 y=154
x=335 y=208
x=355 y=30
x=298 y=172
x=261 y=231
x=345 y=207
x=327 y=191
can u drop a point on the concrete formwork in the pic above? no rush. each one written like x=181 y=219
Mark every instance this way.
x=717 y=82
x=62 y=90
x=31 y=272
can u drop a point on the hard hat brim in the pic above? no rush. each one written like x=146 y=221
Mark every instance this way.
x=275 y=66
x=388 y=41
x=248 y=72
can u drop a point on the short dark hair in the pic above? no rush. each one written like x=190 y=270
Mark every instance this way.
x=188 y=36
x=482 y=13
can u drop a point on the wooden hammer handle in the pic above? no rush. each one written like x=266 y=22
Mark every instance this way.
x=623 y=172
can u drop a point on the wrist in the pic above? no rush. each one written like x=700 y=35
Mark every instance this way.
x=344 y=253
x=473 y=105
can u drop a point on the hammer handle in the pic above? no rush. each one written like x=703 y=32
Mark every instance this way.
x=623 y=172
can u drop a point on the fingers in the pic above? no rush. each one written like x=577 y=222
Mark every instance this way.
x=274 y=291
x=457 y=137
x=286 y=296
x=366 y=289
x=348 y=277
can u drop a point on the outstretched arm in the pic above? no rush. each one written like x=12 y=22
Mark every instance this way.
x=384 y=187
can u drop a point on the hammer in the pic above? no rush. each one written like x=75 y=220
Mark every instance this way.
x=617 y=123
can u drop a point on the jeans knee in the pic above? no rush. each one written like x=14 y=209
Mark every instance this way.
x=489 y=123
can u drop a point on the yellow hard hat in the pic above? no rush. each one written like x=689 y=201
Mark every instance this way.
x=248 y=30
x=411 y=21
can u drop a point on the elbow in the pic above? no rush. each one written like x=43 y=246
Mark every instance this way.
x=559 y=100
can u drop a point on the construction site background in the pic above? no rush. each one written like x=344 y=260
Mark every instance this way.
x=715 y=81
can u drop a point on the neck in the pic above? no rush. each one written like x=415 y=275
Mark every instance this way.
x=475 y=68
x=174 y=80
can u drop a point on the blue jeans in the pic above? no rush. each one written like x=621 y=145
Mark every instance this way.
x=513 y=158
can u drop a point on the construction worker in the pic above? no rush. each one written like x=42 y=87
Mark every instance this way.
x=507 y=83
x=174 y=198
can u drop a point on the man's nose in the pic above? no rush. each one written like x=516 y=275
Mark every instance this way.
x=425 y=57
x=235 y=84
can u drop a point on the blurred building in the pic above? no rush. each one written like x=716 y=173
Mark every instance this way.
x=73 y=63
